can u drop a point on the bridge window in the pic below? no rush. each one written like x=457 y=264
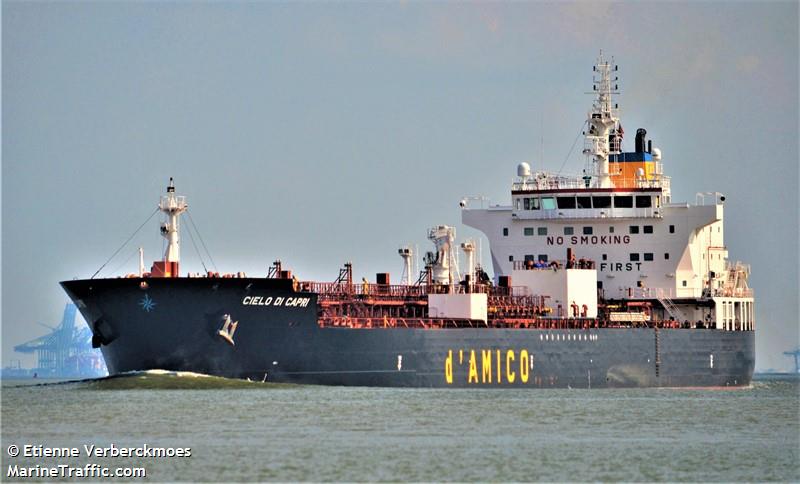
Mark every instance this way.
x=584 y=202
x=569 y=230
x=643 y=202
x=528 y=231
x=587 y=231
x=605 y=256
x=505 y=231
x=601 y=202
x=610 y=229
x=541 y=231
x=648 y=256
x=511 y=258
x=530 y=203
x=519 y=204
x=566 y=202
x=634 y=257
x=543 y=257
x=633 y=229
x=672 y=229
x=666 y=255
x=648 y=229
x=548 y=203
x=529 y=257
x=623 y=201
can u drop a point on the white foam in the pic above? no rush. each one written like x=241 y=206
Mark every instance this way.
x=168 y=373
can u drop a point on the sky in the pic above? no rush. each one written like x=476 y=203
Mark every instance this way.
x=321 y=133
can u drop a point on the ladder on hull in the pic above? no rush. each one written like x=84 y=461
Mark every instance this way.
x=658 y=355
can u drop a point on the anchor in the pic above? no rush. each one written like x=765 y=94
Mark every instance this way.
x=228 y=328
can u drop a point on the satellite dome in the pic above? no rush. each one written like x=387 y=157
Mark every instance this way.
x=523 y=169
x=657 y=154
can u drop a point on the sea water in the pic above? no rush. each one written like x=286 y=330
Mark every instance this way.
x=245 y=431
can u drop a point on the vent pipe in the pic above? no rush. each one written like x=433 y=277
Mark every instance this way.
x=640 y=135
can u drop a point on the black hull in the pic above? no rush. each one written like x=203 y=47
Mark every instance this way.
x=283 y=343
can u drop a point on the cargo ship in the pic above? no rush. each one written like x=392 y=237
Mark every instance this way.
x=600 y=280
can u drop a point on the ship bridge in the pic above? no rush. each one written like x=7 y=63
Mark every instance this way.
x=566 y=203
x=639 y=190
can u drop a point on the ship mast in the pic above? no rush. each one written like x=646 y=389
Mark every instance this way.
x=604 y=133
x=172 y=205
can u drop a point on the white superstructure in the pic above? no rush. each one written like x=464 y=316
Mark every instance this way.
x=620 y=215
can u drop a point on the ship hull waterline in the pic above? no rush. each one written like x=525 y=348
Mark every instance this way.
x=174 y=323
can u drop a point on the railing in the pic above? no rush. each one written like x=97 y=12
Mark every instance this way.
x=408 y=323
x=735 y=284
x=733 y=292
x=648 y=293
x=554 y=264
x=666 y=188
x=669 y=293
x=360 y=289
x=554 y=181
x=738 y=267
x=397 y=291
x=549 y=181
x=172 y=201
x=586 y=213
x=655 y=182
x=552 y=324
x=662 y=295
x=708 y=198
